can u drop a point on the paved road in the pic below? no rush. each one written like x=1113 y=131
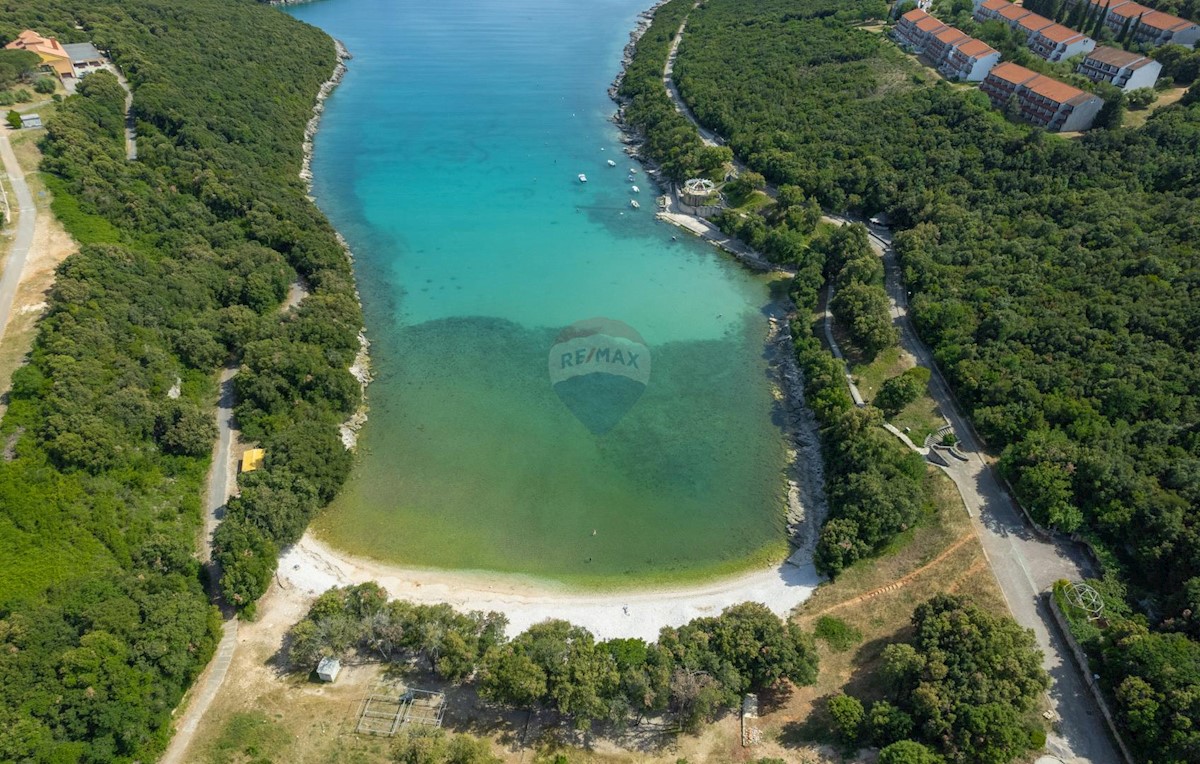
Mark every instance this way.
x=23 y=239
x=1024 y=564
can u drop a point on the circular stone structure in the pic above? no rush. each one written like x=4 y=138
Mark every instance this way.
x=696 y=191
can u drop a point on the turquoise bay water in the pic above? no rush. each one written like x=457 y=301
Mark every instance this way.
x=448 y=158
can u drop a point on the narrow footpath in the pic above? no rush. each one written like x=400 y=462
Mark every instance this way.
x=1024 y=565
x=130 y=128
x=26 y=213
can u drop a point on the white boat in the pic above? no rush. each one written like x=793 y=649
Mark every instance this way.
x=630 y=179
x=611 y=163
x=633 y=171
x=582 y=178
x=635 y=189
x=633 y=203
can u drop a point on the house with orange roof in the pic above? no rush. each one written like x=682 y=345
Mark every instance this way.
x=1058 y=43
x=54 y=57
x=969 y=61
x=1043 y=101
x=1126 y=70
x=915 y=29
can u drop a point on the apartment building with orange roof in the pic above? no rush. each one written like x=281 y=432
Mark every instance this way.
x=1126 y=70
x=952 y=51
x=1147 y=25
x=1058 y=43
x=915 y=29
x=943 y=42
x=969 y=61
x=1043 y=101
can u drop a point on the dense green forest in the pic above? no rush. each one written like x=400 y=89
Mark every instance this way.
x=185 y=257
x=1056 y=280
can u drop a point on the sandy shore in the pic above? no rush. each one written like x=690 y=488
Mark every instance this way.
x=310 y=567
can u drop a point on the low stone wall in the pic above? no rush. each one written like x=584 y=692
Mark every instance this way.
x=1082 y=660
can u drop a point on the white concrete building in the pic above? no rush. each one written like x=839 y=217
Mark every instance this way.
x=1128 y=71
x=1058 y=43
x=969 y=61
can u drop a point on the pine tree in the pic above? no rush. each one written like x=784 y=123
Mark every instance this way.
x=1133 y=33
x=1086 y=21
x=1124 y=30
x=1076 y=14
x=1100 y=19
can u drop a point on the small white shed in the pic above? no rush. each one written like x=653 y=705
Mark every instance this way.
x=328 y=668
x=31 y=120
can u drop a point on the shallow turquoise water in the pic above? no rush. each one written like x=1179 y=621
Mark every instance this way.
x=448 y=158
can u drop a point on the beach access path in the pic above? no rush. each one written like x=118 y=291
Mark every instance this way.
x=1024 y=564
x=26 y=214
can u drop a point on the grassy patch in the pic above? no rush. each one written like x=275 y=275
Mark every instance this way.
x=250 y=738
x=870 y=376
x=839 y=635
x=85 y=227
x=920 y=418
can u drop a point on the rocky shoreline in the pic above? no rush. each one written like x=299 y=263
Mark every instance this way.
x=361 y=368
x=806 y=503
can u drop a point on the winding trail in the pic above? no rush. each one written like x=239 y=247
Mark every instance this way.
x=18 y=253
x=130 y=128
x=1024 y=565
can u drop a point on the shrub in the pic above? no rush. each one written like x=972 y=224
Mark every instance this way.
x=848 y=715
x=839 y=635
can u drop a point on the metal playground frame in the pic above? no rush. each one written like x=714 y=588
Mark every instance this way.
x=389 y=706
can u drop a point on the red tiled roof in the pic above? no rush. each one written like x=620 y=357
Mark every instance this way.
x=950 y=35
x=1014 y=12
x=930 y=25
x=1165 y=21
x=1059 y=92
x=976 y=49
x=995 y=5
x=1115 y=56
x=1034 y=22
x=1059 y=34
x=1014 y=74
x=1128 y=10
x=915 y=15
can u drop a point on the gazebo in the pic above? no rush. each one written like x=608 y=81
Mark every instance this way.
x=698 y=191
